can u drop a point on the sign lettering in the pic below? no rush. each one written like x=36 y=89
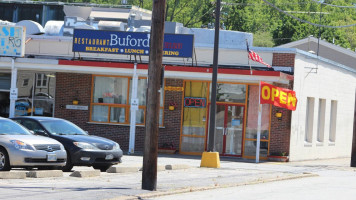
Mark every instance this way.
x=194 y=102
x=277 y=96
x=130 y=43
x=12 y=41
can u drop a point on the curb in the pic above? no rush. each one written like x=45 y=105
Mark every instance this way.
x=44 y=174
x=85 y=173
x=203 y=188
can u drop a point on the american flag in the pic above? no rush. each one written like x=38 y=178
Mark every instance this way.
x=255 y=57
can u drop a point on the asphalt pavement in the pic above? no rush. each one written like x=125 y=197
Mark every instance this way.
x=185 y=175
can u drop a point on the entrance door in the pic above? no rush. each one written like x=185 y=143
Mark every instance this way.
x=229 y=129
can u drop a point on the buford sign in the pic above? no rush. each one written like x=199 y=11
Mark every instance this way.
x=131 y=43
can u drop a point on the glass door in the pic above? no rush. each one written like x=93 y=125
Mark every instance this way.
x=228 y=129
x=234 y=130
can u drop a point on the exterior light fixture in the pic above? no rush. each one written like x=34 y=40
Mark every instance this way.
x=279 y=115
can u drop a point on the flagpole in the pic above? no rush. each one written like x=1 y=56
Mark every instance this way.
x=259 y=124
x=250 y=66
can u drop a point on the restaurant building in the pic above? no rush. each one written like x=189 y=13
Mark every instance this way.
x=94 y=91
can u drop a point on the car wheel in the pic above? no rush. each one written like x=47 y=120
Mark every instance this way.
x=69 y=165
x=4 y=160
x=102 y=168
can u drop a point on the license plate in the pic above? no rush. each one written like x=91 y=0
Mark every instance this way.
x=109 y=157
x=51 y=157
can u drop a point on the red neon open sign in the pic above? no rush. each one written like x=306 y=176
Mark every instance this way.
x=194 y=102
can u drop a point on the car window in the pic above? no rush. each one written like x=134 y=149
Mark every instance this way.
x=12 y=128
x=32 y=125
x=62 y=127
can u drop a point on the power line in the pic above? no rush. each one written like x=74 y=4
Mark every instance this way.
x=255 y=4
x=305 y=21
x=336 y=5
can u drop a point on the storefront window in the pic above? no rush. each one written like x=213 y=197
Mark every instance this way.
x=100 y=113
x=252 y=124
x=234 y=93
x=117 y=114
x=5 y=82
x=110 y=90
x=35 y=94
x=114 y=94
x=194 y=116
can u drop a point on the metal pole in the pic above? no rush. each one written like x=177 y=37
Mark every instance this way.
x=134 y=108
x=259 y=125
x=214 y=80
x=13 y=89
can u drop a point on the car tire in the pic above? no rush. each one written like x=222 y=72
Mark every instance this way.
x=69 y=165
x=4 y=160
x=102 y=168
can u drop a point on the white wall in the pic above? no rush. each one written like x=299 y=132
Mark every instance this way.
x=327 y=82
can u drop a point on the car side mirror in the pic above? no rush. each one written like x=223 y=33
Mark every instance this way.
x=41 y=132
x=87 y=132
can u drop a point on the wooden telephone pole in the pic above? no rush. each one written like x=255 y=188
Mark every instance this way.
x=353 y=151
x=149 y=172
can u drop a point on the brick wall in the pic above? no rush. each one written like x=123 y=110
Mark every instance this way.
x=280 y=128
x=172 y=118
x=70 y=86
x=283 y=59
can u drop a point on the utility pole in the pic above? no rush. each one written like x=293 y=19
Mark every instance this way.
x=214 y=79
x=353 y=151
x=319 y=35
x=149 y=172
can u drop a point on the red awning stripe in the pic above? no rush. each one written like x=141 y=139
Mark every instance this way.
x=175 y=68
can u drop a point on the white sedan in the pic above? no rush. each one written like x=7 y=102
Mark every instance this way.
x=20 y=148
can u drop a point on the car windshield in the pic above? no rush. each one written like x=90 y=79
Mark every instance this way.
x=12 y=128
x=62 y=127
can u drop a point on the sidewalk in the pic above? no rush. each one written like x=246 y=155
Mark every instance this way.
x=119 y=186
x=233 y=172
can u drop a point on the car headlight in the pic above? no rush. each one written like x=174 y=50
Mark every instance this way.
x=21 y=145
x=85 y=145
x=116 y=146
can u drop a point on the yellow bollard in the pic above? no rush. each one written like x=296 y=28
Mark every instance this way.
x=210 y=159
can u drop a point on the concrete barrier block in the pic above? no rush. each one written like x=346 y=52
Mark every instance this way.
x=159 y=168
x=122 y=169
x=44 y=173
x=12 y=175
x=177 y=166
x=85 y=174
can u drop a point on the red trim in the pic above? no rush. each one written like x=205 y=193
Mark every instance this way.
x=174 y=68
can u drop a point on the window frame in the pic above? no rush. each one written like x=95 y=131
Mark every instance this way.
x=333 y=121
x=321 y=120
x=43 y=77
x=309 y=120
x=125 y=106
